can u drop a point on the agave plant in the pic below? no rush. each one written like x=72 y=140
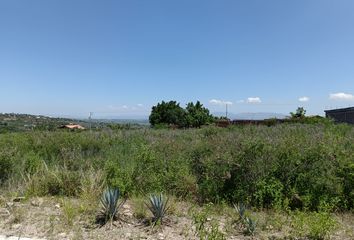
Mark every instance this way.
x=158 y=207
x=110 y=206
x=240 y=209
x=250 y=226
x=248 y=223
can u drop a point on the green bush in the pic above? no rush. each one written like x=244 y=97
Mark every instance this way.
x=118 y=177
x=33 y=163
x=269 y=193
x=6 y=164
x=313 y=225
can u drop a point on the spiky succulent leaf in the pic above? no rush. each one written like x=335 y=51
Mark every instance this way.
x=158 y=206
x=109 y=202
x=250 y=225
x=240 y=209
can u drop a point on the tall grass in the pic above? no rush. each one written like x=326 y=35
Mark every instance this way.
x=283 y=166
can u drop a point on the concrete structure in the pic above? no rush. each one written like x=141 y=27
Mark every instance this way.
x=73 y=126
x=341 y=115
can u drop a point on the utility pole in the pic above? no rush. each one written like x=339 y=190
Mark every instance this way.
x=226 y=110
x=90 y=120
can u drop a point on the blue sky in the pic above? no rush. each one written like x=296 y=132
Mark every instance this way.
x=118 y=58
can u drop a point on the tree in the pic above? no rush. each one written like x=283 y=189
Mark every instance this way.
x=197 y=115
x=170 y=113
x=300 y=113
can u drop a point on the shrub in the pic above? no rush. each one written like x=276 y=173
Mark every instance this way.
x=313 y=225
x=269 y=193
x=33 y=163
x=6 y=164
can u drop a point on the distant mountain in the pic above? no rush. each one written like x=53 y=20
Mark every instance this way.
x=251 y=116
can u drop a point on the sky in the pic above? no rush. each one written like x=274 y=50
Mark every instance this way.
x=119 y=58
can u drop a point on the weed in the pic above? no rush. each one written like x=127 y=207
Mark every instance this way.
x=69 y=212
x=139 y=208
x=206 y=229
x=313 y=225
x=18 y=215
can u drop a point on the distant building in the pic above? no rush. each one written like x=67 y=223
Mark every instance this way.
x=341 y=115
x=73 y=126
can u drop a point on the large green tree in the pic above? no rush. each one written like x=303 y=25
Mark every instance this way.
x=197 y=115
x=300 y=113
x=170 y=113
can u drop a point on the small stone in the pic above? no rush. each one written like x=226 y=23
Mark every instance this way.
x=62 y=235
x=37 y=202
x=161 y=236
x=208 y=219
x=9 y=204
x=4 y=212
x=270 y=227
x=16 y=226
x=127 y=213
x=57 y=206
x=18 y=199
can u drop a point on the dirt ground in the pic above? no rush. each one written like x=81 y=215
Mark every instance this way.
x=61 y=219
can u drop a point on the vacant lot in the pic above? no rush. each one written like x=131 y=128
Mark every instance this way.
x=295 y=179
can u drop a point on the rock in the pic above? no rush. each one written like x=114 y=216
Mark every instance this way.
x=62 y=235
x=57 y=206
x=4 y=212
x=16 y=226
x=37 y=202
x=161 y=236
x=9 y=204
x=127 y=213
x=269 y=227
x=18 y=199
x=126 y=206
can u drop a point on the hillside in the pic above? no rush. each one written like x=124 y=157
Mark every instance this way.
x=13 y=122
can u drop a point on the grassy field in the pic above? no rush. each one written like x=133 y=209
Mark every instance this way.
x=297 y=180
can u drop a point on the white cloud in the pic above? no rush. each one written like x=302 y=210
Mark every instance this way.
x=304 y=99
x=241 y=101
x=118 y=108
x=254 y=100
x=341 y=96
x=140 y=105
x=219 y=102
